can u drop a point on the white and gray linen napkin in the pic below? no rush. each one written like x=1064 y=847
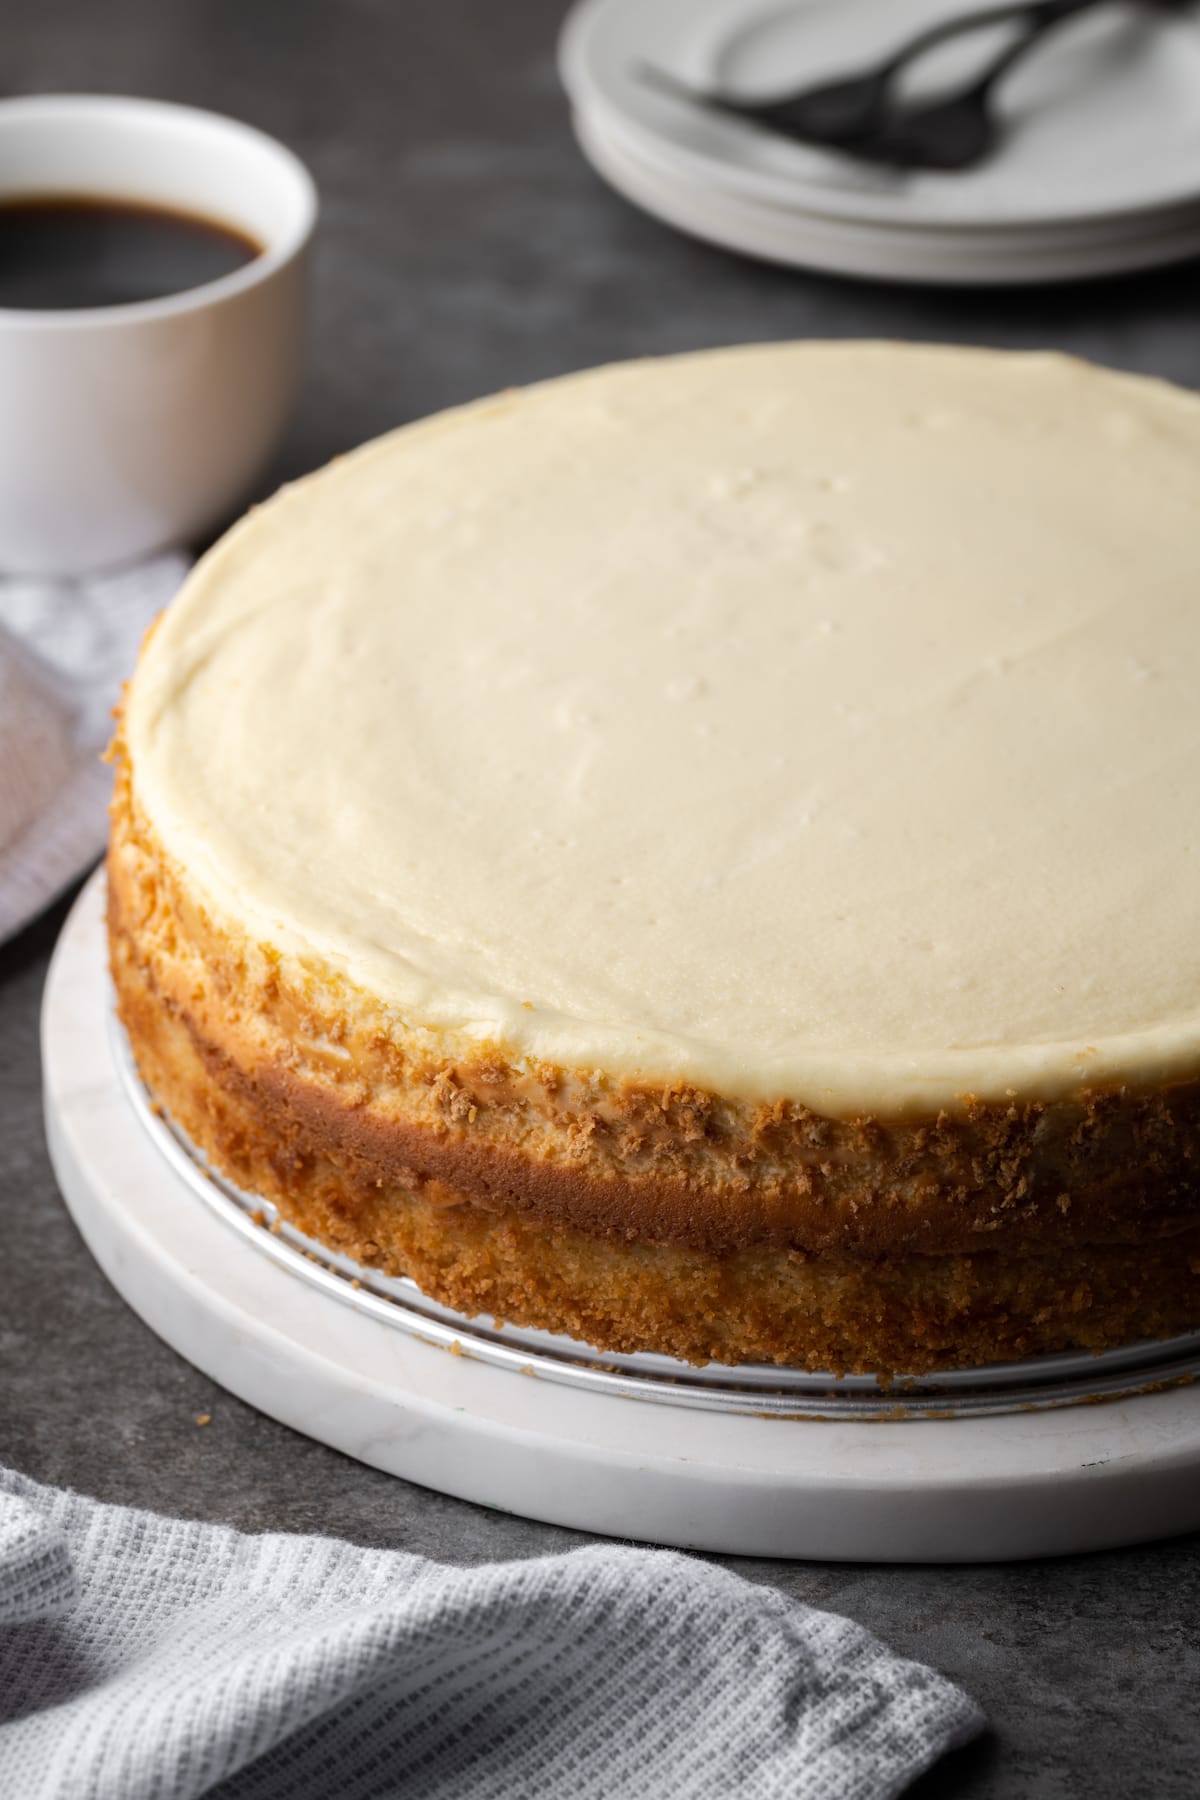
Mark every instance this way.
x=148 y=1658
x=65 y=648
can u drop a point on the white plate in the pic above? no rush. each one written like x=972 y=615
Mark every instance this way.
x=906 y=1489
x=877 y=253
x=1105 y=117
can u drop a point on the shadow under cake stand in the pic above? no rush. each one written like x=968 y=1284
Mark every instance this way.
x=1029 y=1459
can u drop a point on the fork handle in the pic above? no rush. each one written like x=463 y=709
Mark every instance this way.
x=1042 y=18
x=1038 y=14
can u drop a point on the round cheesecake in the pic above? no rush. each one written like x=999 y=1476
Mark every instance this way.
x=703 y=855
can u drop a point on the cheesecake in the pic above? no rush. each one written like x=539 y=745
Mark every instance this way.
x=703 y=855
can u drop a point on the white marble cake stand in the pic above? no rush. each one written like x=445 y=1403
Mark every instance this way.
x=901 y=1489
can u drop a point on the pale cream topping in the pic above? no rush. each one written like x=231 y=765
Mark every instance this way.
x=818 y=721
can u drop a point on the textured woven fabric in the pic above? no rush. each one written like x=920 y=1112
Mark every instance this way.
x=65 y=648
x=144 y=1658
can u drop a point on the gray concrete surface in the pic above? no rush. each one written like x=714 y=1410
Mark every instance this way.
x=465 y=246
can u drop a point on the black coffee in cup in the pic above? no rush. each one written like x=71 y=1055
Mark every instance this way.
x=65 y=251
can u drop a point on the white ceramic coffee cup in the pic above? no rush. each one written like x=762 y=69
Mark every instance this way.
x=127 y=428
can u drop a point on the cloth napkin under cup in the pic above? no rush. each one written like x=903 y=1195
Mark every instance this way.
x=65 y=649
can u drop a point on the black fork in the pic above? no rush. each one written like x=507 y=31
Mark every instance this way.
x=857 y=112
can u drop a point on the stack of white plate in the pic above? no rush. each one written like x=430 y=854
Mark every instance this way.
x=1097 y=169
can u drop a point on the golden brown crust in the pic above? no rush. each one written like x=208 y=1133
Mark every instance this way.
x=676 y=1220
x=908 y=1313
